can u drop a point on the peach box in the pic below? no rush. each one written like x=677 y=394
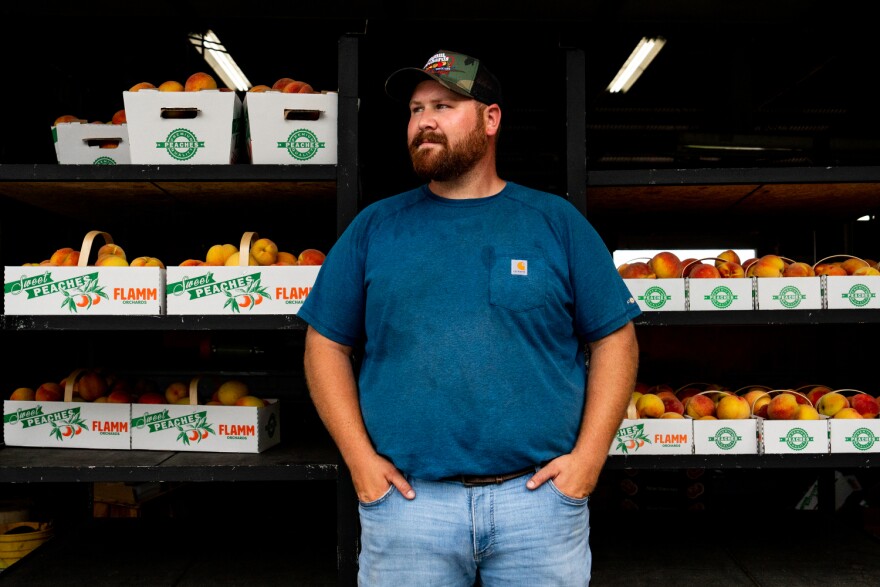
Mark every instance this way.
x=238 y=290
x=654 y=436
x=199 y=428
x=726 y=437
x=852 y=292
x=67 y=424
x=79 y=143
x=83 y=290
x=183 y=127
x=789 y=293
x=658 y=295
x=854 y=435
x=793 y=436
x=299 y=129
x=709 y=294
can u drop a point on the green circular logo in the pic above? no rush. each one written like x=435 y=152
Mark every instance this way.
x=862 y=439
x=104 y=161
x=302 y=144
x=797 y=439
x=790 y=296
x=181 y=144
x=655 y=297
x=859 y=295
x=721 y=297
x=725 y=438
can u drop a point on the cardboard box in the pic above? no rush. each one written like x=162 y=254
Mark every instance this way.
x=793 y=436
x=721 y=294
x=789 y=293
x=67 y=424
x=245 y=290
x=654 y=436
x=183 y=127
x=298 y=129
x=851 y=292
x=658 y=295
x=91 y=144
x=83 y=291
x=860 y=435
x=199 y=428
x=737 y=437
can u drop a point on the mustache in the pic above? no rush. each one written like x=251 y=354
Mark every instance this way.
x=428 y=137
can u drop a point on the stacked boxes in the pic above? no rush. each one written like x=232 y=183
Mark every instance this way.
x=91 y=144
x=287 y=128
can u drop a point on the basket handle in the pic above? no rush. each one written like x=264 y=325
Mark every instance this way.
x=194 y=391
x=70 y=381
x=86 y=248
x=245 y=247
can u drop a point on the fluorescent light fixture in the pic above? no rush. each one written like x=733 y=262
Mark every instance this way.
x=865 y=218
x=636 y=63
x=210 y=47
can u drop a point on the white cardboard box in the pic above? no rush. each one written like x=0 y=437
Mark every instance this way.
x=298 y=129
x=793 y=436
x=789 y=293
x=852 y=292
x=183 y=127
x=67 y=424
x=854 y=435
x=654 y=436
x=716 y=437
x=721 y=294
x=84 y=291
x=87 y=144
x=246 y=290
x=199 y=428
x=658 y=295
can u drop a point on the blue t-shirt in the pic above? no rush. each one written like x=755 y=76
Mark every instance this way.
x=472 y=315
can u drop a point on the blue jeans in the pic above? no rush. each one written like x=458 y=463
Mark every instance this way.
x=513 y=535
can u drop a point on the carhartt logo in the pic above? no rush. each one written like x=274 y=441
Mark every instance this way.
x=519 y=267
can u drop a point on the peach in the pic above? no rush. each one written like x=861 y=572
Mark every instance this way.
x=307 y=89
x=782 y=407
x=49 y=392
x=831 y=403
x=767 y=266
x=218 y=254
x=814 y=393
x=111 y=261
x=260 y=88
x=699 y=405
x=230 y=390
x=700 y=270
x=665 y=265
x=853 y=263
x=673 y=404
x=235 y=259
x=748 y=263
x=90 y=386
x=192 y=263
x=250 y=401
x=730 y=269
x=146 y=262
x=285 y=258
x=866 y=270
x=171 y=86
x=64 y=256
x=151 y=397
x=200 y=81
x=671 y=415
x=649 y=406
x=310 y=257
x=23 y=394
x=685 y=392
x=66 y=118
x=798 y=269
x=636 y=270
x=279 y=85
x=265 y=251
x=733 y=407
x=753 y=394
x=833 y=269
x=175 y=391
x=119 y=396
x=759 y=408
x=111 y=249
x=847 y=413
x=727 y=256
x=806 y=412
x=865 y=404
x=142 y=86
x=293 y=87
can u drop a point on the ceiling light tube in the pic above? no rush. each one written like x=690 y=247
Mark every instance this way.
x=220 y=60
x=635 y=64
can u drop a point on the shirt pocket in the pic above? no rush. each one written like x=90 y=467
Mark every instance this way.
x=518 y=279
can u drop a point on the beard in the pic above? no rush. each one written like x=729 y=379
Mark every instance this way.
x=449 y=162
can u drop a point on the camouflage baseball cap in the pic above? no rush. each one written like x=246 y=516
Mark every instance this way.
x=460 y=73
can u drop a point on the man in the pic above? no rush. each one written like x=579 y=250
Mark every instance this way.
x=472 y=432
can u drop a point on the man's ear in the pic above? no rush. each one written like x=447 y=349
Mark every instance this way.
x=492 y=116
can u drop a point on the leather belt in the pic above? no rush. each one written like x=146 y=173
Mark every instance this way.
x=479 y=480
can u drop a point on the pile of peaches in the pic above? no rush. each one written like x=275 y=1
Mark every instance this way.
x=263 y=251
x=285 y=85
x=712 y=402
x=109 y=255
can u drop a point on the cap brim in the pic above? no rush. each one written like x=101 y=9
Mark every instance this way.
x=401 y=83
